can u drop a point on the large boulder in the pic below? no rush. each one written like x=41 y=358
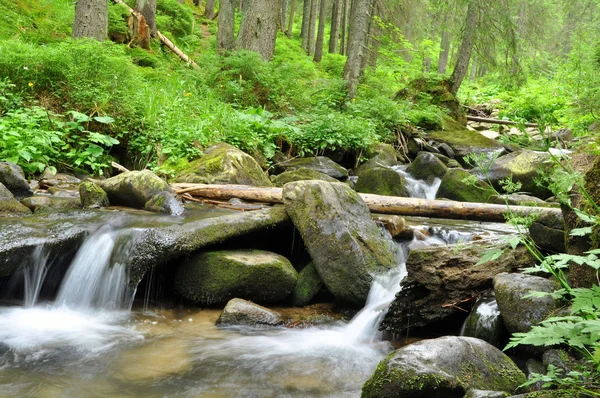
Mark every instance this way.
x=344 y=243
x=321 y=164
x=9 y=206
x=92 y=196
x=382 y=181
x=133 y=188
x=309 y=284
x=216 y=277
x=442 y=280
x=224 y=164
x=460 y=185
x=240 y=312
x=427 y=165
x=13 y=178
x=378 y=155
x=445 y=367
x=520 y=313
x=300 y=174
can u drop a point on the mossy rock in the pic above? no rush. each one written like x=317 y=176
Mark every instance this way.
x=165 y=202
x=13 y=178
x=321 y=164
x=463 y=141
x=224 y=164
x=218 y=276
x=92 y=196
x=344 y=243
x=9 y=206
x=444 y=367
x=426 y=165
x=300 y=174
x=456 y=185
x=385 y=152
x=133 y=188
x=382 y=181
x=45 y=204
x=309 y=284
x=240 y=312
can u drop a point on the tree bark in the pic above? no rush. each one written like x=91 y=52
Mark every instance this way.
x=258 y=30
x=344 y=35
x=290 y=25
x=473 y=69
x=91 y=19
x=444 y=52
x=466 y=47
x=375 y=203
x=312 y=25
x=148 y=9
x=226 y=23
x=284 y=12
x=209 y=9
x=336 y=20
x=321 y=33
x=305 y=23
x=367 y=44
x=198 y=2
x=376 y=40
x=359 y=21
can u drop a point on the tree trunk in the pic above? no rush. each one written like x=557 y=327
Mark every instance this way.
x=321 y=33
x=91 y=19
x=466 y=47
x=197 y=3
x=367 y=44
x=376 y=40
x=312 y=25
x=226 y=23
x=336 y=19
x=209 y=9
x=284 y=11
x=375 y=203
x=444 y=52
x=343 y=40
x=258 y=30
x=357 y=34
x=148 y=9
x=305 y=23
x=291 y=19
x=473 y=69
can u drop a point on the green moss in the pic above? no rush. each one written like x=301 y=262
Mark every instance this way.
x=456 y=186
x=309 y=284
x=382 y=181
x=92 y=195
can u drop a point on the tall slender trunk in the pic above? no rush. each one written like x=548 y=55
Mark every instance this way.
x=258 y=30
x=291 y=19
x=209 y=9
x=336 y=19
x=226 y=22
x=148 y=9
x=367 y=42
x=284 y=11
x=312 y=25
x=444 y=52
x=91 y=19
x=466 y=47
x=305 y=23
x=345 y=11
x=473 y=68
x=359 y=21
x=376 y=40
x=321 y=33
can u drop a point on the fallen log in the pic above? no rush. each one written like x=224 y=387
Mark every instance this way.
x=376 y=203
x=497 y=121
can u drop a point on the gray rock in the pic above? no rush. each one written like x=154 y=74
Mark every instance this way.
x=344 y=242
x=300 y=174
x=518 y=313
x=165 y=202
x=240 y=312
x=92 y=196
x=309 y=284
x=548 y=233
x=427 y=165
x=319 y=163
x=379 y=155
x=9 y=206
x=382 y=181
x=133 y=188
x=51 y=203
x=444 y=367
x=13 y=178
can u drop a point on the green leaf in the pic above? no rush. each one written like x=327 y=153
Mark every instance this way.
x=581 y=231
x=490 y=256
x=104 y=119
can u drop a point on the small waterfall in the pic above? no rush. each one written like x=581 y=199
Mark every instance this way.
x=485 y=321
x=34 y=275
x=418 y=188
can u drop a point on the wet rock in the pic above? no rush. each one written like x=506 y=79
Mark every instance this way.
x=321 y=164
x=309 y=284
x=216 y=277
x=379 y=155
x=395 y=225
x=459 y=184
x=473 y=393
x=548 y=233
x=224 y=164
x=92 y=196
x=240 y=312
x=133 y=188
x=442 y=280
x=13 y=178
x=300 y=174
x=427 y=165
x=382 y=181
x=9 y=206
x=484 y=322
x=443 y=367
x=51 y=203
x=165 y=202
x=342 y=239
x=520 y=313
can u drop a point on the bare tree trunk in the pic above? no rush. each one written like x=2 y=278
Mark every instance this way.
x=91 y=19
x=345 y=11
x=312 y=25
x=305 y=23
x=321 y=33
x=258 y=30
x=336 y=19
x=473 y=69
x=367 y=43
x=291 y=19
x=148 y=9
x=466 y=47
x=359 y=21
x=376 y=39
x=209 y=9
x=284 y=11
x=444 y=52
x=226 y=21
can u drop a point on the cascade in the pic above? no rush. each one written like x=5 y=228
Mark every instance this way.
x=418 y=188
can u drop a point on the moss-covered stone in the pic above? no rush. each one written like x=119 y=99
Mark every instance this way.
x=382 y=181
x=379 y=155
x=435 y=91
x=165 y=202
x=445 y=367
x=309 y=284
x=9 y=206
x=133 y=188
x=456 y=185
x=216 y=277
x=427 y=165
x=240 y=312
x=92 y=196
x=343 y=241
x=321 y=164
x=300 y=174
x=13 y=178
x=224 y=164
x=51 y=203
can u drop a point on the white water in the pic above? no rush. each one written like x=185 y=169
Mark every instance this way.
x=487 y=313
x=34 y=275
x=418 y=188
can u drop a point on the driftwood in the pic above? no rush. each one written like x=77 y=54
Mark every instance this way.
x=164 y=40
x=497 y=121
x=375 y=203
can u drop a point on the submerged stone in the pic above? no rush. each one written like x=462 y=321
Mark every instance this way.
x=133 y=188
x=240 y=312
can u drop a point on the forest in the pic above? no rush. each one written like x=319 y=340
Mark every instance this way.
x=202 y=157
